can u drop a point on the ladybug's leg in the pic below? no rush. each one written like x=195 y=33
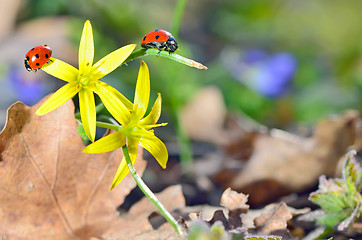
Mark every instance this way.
x=168 y=48
x=161 y=47
x=47 y=63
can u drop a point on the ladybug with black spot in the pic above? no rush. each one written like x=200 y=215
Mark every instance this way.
x=37 y=57
x=160 y=39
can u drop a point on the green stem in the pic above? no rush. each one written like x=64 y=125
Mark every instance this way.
x=177 y=17
x=107 y=119
x=136 y=54
x=172 y=56
x=108 y=125
x=183 y=140
x=150 y=194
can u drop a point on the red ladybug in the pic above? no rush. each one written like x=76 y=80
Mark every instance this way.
x=159 y=39
x=37 y=57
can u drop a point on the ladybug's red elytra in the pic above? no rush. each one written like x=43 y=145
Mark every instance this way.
x=37 y=57
x=159 y=39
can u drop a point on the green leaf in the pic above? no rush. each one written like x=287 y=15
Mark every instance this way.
x=201 y=231
x=340 y=198
x=217 y=230
x=343 y=226
x=353 y=170
x=172 y=56
x=82 y=133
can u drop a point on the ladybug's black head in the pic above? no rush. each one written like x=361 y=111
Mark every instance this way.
x=27 y=66
x=171 y=44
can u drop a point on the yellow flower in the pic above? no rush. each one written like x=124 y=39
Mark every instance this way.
x=85 y=81
x=136 y=130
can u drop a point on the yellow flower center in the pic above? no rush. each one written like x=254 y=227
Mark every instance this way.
x=86 y=80
x=83 y=81
x=130 y=129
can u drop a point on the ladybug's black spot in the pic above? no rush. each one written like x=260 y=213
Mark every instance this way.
x=37 y=55
x=27 y=58
x=37 y=64
x=156 y=30
x=157 y=37
x=46 y=55
x=144 y=38
x=32 y=49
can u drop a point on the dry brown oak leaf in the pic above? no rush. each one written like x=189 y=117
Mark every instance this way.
x=136 y=224
x=274 y=223
x=49 y=189
x=296 y=162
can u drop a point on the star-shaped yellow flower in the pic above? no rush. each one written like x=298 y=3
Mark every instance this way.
x=135 y=130
x=85 y=81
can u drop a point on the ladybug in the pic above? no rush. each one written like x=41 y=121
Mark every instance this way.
x=159 y=39
x=37 y=57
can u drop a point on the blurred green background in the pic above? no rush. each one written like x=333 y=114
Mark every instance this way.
x=323 y=38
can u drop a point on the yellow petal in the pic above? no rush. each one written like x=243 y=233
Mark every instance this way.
x=86 y=49
x=58 y=98
x=123 y=169
x=112 y=61
x=156 y=147
x=142 y=94
x=155 y=113
x=61 y=70
x=107 y=143
x=88 y=112
x=114 y=101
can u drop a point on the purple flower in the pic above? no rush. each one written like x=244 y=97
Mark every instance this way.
x=29 y=91
x=269 y=75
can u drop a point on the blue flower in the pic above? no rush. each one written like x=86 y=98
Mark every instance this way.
x=29 y=91
x=269 y=75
